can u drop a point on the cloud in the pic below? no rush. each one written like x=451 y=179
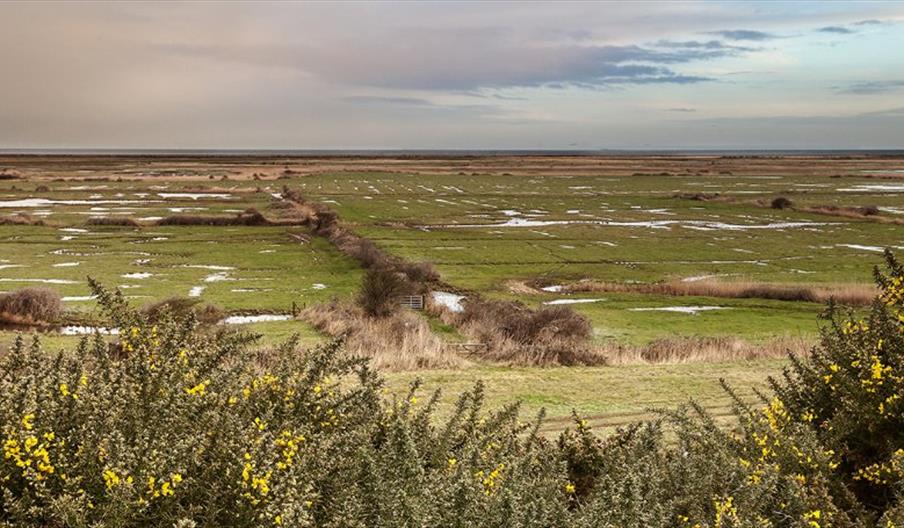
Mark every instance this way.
x=715 y=47
x=681 y=109
x=872 y=87
x=481 y=61
x=837 y=30
x=744 y=34
x=893 y=116
x=376 y=99
x=870 y=22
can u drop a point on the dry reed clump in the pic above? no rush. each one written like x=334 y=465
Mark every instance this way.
x=30 y=306
x=709 y=349
x=20 y=219
x=516 y=334
x=399 y=341
x=112 y=221
x=848 y=294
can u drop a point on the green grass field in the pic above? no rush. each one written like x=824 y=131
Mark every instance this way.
x=485 y=231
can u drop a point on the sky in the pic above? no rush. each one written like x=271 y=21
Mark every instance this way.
x=452 y=75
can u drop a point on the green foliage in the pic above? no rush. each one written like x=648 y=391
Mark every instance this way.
x=171 y=426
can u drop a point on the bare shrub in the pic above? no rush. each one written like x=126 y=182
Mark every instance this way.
x=181 y=307
x=42 y=189
x=112 y=221
x=781 y=203
x=420 y=271
x=381 y=291
x=30 y=306
x=400 y=341
x=519 y=335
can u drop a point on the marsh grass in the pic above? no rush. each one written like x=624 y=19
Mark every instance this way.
x=703 y=349
x=848 y=294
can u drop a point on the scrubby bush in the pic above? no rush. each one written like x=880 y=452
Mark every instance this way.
x=30 y=306
x=781 y=203
x=515 y=333
x=381 y=291
x=186 y=428
x=182 y=307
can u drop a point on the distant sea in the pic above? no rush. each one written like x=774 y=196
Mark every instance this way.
x=389 y=153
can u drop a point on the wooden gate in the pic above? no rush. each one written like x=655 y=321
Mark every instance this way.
x=415 y=302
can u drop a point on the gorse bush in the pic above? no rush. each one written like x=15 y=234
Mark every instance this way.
x=170 y=426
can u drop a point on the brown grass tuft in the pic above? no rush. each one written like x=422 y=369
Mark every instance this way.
x=401 y=341
x=30 y=306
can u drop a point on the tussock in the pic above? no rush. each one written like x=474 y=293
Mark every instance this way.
x=400 y=341
x=848 y=294
x=30 y=306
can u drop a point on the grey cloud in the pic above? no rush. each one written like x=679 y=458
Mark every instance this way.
x=744 y=34
x=872 y=87
x=889 y=116
x=837 y=30
x=479 y=63
x=375 y=99
x=870 y=22
x=681 y=109
x=720 y=48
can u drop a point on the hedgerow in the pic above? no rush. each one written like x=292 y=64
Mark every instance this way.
x=172 y=425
